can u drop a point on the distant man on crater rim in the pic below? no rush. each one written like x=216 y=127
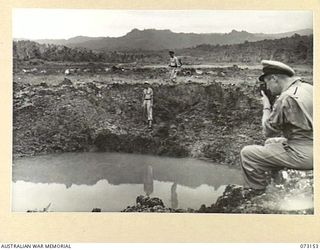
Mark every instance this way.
x=175 y=65
x=291 y=115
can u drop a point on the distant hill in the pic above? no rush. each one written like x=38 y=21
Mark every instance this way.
x=66 y=42
x=28 y=50
x=294 y=49
x=152 y=39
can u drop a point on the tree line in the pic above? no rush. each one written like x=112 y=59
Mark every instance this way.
x=295 y=49
x=26 y=50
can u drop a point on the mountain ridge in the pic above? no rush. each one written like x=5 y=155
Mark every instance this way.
x=153 y=39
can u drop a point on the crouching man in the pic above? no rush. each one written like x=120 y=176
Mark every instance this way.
x=292 y=115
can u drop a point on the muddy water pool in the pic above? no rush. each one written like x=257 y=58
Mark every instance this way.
x=79 y=182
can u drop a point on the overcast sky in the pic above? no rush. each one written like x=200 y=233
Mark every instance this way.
x=67 y=23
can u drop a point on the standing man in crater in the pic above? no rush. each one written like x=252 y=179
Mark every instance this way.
x=175 y=65
x=291 y=115
x=147 y=103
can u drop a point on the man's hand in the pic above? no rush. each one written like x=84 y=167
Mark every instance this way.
x=265 y=101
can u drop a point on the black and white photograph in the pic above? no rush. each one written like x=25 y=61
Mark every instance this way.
x=162 y=111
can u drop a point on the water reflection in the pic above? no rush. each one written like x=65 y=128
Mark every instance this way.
x=108 y=197
x=118 y=168
x=112 y=181
x=174 y=195
x=68 y=184
x=148 y=180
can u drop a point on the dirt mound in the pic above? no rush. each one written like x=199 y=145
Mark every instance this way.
x=293 y=195
x=148 y=204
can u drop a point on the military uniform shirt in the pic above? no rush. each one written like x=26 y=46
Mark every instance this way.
x=288 y=117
